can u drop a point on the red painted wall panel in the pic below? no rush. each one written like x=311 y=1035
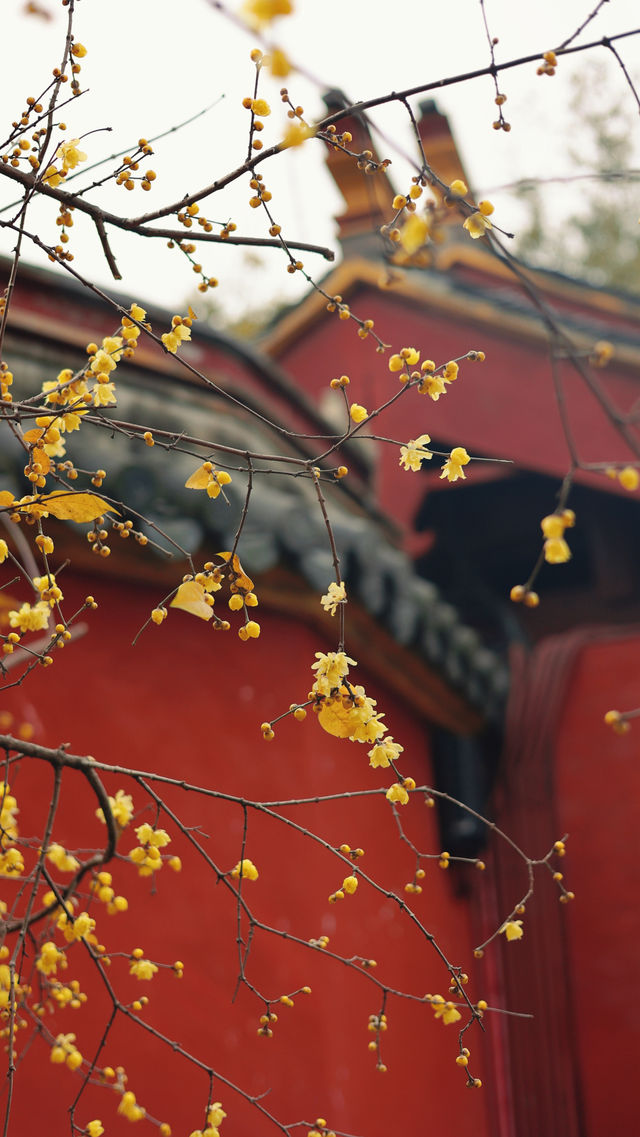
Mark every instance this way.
x=188 y=702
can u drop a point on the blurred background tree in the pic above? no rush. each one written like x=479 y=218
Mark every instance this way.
x=600 y=240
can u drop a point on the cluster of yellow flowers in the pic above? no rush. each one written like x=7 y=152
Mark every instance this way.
x=342 y=709
x=215 y=1117
x=321 y=1129
x=121 y=807
x=63 y=860
x=11 y=861
x=82 y=927
x=245 y=869
x=180 y=333
x=208 y=479
x=195 y=594
x=19 y=992
x=34 y=617
x=65 y=1050
x=69 y=156
x=147 y=855
x=429 y=380
x=129 y=1108
x=556 y=550
x=102 y=887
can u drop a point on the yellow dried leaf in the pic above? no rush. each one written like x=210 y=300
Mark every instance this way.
x=41 y=462
x=33 y=435
x=190 y=598
x=243 y=581
x=338 y=720
x=75 y=506
x=200 y=480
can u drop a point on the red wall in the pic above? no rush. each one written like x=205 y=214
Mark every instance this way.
x=503 y=408
x=598 y=790
x=565 y=772
x=188 y=702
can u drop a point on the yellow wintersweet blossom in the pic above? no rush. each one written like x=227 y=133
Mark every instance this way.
x=179 y=333
x=31 y=618
x=46 y=585
x=246 y=869
x=434 y=386
x=414 y=233
x=629 y=478
x=50 y=958
x=80 y=928
x=279 y=64
x=476 y=225
x=358 y=413
x=11 y=863
x=129 y=1108
x=615 y=720
x=556 y=551
x=408 y=357
x=104 y=395
x=63 y=860
x=113 y=346
x=336 y=594
x=259 y=12
x=70 y=155
x=553 y=525
x=8 y=811
x=121 y=808
x=52 y=177
x=296 y=134
x=147 y=854
x=601 y=354
x=368 y=726
x=452 y=468
x=385 y=752
x=415 y=453
x=95 y=1128
x=444 y=1010
x=65 y=1050
x=330 y=670
x=4 y=551
x=351 y=714
x=397 y=792
x=216 y=1114
x=143 y=969
x=512 y=929
x=260 y=107
x=458 y=188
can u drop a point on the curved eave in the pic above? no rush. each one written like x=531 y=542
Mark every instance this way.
x=457 y=297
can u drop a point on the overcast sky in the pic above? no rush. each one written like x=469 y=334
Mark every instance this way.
x=151 y=65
